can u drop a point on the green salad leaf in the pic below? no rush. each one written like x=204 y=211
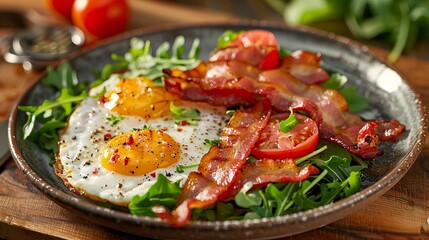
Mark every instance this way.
x=44 y=121
x=226 y=38
x=289 y=123
x=163 y=192
x=184 y=115
x=355 y=101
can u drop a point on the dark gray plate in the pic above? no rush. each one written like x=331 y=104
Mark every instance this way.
x=390 y=97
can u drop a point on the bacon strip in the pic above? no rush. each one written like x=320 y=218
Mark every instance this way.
x=219 y=167
x=305 y=66
x=327 y=107
x=265 y=171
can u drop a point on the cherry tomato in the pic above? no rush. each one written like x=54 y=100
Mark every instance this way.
x=299 y=141
x=101 y=18
x=263 y=40
x=61 y=7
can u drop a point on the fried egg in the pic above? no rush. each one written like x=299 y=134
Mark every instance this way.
x=114 y=147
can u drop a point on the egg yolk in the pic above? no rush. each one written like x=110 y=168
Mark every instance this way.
x=139 y=97
x=140 y=152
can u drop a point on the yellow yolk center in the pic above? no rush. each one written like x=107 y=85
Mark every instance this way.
x=140 y=152
x=139 y=97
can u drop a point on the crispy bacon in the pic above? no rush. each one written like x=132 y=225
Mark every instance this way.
x=219 y=167
x=241 y=85
x=265 y=171
x=305 y=66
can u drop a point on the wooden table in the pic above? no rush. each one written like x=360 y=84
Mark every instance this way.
x=401 y=213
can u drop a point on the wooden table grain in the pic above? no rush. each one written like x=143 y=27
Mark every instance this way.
x=25 y=213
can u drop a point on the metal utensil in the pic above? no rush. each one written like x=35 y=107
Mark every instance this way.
x=38 y=47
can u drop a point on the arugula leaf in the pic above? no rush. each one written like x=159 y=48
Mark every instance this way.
x=289 y=123
x=246 y=200
x=162 y=192
x=180 y=168
x=230 y=112
x=356 y=102
x=281 y=197
x=190 y=115
x=335 y=81
x=62 y=77
x=44 y=121
x=115 y=119
x=283 y=52
x=211 y=142
x=226 y=38
x=60 y=108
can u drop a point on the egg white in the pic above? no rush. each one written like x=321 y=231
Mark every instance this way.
x=79 y=161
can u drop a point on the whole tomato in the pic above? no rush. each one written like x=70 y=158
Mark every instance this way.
x=61 y=7
x=101 y=18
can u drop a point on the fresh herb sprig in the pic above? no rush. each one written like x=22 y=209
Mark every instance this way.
x=163 y=192
x=184 y=116
x=289 y=123
x=139 y=60
x=44 y=121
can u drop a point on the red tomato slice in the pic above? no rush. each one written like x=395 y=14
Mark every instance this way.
x=270 y=61
x=263 y=40
x=299 y=141
x=255 y=38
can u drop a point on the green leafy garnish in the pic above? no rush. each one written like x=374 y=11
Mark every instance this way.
x=211 y=142
x=226 y=38
x=355 y=101
x=247 y=200
x=289 y=123
x=335 y=81
x=162 y=192
x=44 y=121
x=180 y=168
x=184 y=115
x=63 y=77
x=115 y=119
x=139 y=61
x=230 y=112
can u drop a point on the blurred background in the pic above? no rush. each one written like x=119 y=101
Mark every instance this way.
x=400 y=25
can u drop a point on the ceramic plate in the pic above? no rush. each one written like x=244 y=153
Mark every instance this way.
x=387 y=90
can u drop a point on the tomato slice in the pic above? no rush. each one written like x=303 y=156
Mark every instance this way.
x=255 y=38
x=299 y=141
x=270 y=61
x=263 y=40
